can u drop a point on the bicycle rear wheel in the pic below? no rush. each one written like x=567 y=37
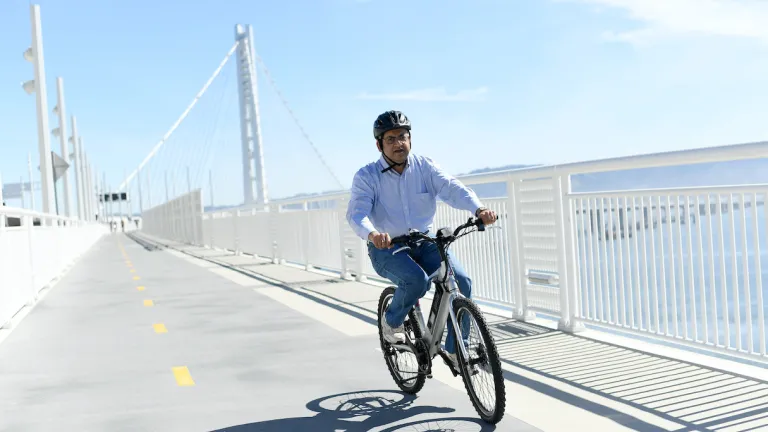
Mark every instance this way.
x=403 y=365
x=481 y=372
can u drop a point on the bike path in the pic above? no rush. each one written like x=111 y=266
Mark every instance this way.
x=136 y=339
x=554 y=380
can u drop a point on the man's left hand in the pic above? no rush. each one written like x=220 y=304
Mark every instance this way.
x=488 y=216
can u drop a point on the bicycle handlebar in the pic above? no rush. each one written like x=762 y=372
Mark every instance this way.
x=421 y=236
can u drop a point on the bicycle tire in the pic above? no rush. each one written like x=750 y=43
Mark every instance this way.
x=492 y=353
x=418 y=382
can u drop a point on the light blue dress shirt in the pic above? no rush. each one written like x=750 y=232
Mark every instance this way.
x=393 y=203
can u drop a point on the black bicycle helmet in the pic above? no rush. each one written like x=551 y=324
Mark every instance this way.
x=388 y=121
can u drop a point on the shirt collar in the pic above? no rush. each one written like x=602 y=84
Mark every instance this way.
x=384 y=164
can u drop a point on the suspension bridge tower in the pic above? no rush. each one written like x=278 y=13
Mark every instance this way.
x=254 y=177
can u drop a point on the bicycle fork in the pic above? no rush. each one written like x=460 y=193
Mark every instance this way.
x=456 y=328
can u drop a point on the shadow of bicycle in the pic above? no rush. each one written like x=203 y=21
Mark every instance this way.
x=365 y=411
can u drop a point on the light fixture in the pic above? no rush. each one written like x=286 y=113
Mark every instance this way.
x=29 y=55
x=56 y=132
x=28 y=86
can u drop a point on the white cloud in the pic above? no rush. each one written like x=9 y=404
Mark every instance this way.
x=437 y=94
x=733 y=18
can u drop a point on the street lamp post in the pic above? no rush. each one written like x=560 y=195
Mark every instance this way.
x=35 y=55
x=77 y=155
x=61 y=132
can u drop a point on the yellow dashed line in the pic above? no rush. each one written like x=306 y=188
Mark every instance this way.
x=183 y=378
x=180 y=373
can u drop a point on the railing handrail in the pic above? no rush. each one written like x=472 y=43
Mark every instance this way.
x=698 y=190
x=743 y=151
x=731 y=152
x=17 y=212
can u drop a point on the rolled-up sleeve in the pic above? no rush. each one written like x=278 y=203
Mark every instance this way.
x=360 y=205
x=451 y=190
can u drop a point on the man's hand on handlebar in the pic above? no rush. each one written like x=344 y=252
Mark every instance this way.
x=488 y=216
x=380 y=240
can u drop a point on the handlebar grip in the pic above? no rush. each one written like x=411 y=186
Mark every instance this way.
x=399 y=239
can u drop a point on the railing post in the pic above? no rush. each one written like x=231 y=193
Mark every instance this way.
x=305 y=235
x=563 y=238
x=192 y=217
x=274 y=214
x=56 y=230
x=182 y=206
x=8 y=324
x=201 y=210
x=345 y=274
x=212 y=227
x=29 y=222
x=515 y=235
x=191 y=197
x=562 y=270
x=360 y=256
x=235 y=217
x=574 y=288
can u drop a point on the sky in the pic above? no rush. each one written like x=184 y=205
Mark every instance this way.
x=486 y=83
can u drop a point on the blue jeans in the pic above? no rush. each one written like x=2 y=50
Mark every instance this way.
x=410 y=270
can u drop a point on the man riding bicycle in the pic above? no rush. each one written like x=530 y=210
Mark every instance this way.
x=397 y=193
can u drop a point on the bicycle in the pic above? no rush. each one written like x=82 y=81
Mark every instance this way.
x=424 y=341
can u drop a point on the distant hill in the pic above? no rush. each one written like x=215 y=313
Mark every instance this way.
x=500 y=168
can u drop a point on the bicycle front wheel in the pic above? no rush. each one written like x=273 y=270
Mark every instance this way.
x=481 y=372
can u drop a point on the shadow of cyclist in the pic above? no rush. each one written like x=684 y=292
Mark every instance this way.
x=363 y=411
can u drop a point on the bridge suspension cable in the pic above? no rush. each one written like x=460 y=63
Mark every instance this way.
x=181 y=118
x=196 y=148
x=296 y=120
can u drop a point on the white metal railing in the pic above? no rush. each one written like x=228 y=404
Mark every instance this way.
x=682 y=279
x=35 y=248
x=681 y=263
x=178 y=219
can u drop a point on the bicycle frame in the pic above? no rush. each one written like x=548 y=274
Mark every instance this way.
x=442 y=307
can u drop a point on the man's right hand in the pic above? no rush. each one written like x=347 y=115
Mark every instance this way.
x=380 y=240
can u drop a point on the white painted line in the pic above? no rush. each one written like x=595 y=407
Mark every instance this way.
x=337 y=320
x=188 y=258
x=338 y=303
x=236 y=277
